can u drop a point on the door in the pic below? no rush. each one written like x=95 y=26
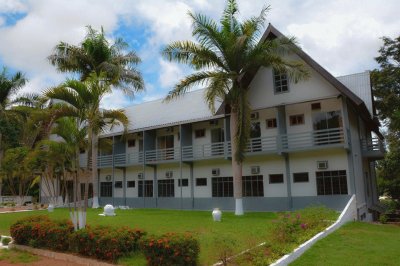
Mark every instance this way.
x=255 y=135
x=217 y=141
x=166 y=147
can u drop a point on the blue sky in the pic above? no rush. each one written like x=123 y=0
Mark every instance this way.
x=343 y=36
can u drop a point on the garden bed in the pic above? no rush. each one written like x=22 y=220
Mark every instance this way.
x=233 y=235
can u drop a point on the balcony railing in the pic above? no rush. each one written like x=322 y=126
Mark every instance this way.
x=373 y=148
x=313 y=139
x=265 y=145
x=170 y=154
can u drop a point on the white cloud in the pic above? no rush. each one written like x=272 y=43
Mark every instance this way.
x=342 y=36
x=12 y=6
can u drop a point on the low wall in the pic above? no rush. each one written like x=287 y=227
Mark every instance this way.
x=15 y=199
x=348 y=214
x=335 y=202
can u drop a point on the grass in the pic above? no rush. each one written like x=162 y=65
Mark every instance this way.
x=244 y=231
x=356 y=243
x=15 y=256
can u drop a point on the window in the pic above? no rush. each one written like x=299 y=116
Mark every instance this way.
x=222 y=186
x=201 y=182
x=276 y=178
x=300 y=177
x=183 y=182
x=280 y=82
x=131 y=143
x=131 y=184
x=147 y=187
x=118 y=184
x=325 y=123
x=271 y=123
x=166 y=188
x=199 y=133
x=331 y=182
x=105 y=189
x=253 y=186
x=316 y=106
x=296 y=120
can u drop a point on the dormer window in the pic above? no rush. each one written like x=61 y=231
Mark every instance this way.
x=281 y=84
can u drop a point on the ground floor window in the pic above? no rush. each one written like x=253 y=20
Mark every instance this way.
x=105 y=189
x=183 y=182
x=222 y=186
x=253 y=186
x=145 y=188
x=166 y=188
x=331 y=182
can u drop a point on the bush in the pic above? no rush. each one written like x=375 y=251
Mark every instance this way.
x=105 y=243
x=5 y=241
x=171 y=249
x=40 y=231
x=383 y=218
x=301 y=225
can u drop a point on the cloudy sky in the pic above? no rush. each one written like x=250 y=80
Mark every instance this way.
x=342 y=35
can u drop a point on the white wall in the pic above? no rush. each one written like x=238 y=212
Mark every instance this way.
x=307 y=162
x=262 y=94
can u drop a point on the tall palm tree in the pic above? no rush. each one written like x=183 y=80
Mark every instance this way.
x=82 y=100
x=96 y=54
x=9 y=86
x=223 y=54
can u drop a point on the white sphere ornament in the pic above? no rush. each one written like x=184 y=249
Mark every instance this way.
x=216 y=214
x=50 y=208
x=109 y=210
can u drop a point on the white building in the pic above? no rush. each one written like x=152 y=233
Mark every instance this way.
x=314 y=142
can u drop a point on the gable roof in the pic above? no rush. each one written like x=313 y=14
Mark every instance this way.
x=272 y=32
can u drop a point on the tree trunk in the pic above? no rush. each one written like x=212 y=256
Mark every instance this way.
x=236 y=165
x=95 y=146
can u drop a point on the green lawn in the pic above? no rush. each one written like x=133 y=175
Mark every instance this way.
x=356 y=243
x=244 y=231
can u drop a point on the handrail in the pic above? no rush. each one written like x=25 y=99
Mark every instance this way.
x=372 y=144
x=315 y=138
x=163 y=154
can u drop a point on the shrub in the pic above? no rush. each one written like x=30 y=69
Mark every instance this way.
x=383 y=218
x=105 y=243
x=5 y=241
x=40 y=231
x=301 y=225
x=171 y=249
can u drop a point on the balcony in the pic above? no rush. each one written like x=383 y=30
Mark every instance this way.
x=313 y=140
x=373 y=148
x=163 y=155
x=294 y=142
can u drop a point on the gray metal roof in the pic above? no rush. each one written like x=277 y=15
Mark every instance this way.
x=188 y=108
x=359 y=84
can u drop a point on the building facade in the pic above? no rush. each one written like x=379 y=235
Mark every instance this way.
x=312 y=142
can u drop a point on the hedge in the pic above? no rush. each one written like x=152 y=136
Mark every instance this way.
x=105 y=242
x=171 y=249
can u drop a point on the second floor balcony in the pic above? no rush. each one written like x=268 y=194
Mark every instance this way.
x=285 y=143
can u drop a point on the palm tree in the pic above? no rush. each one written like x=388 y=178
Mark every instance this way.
x=96 y=54
x=9 y=86
x=222 y=56
x=82 y=100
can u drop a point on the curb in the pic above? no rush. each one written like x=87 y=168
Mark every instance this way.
x=60 y=256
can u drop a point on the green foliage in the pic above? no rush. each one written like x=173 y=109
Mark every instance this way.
x=104 y=242
x=40 y=231
x=223 y=55
x=386 y=89
x=5 y=241
x=171 y=249
x=383 y=218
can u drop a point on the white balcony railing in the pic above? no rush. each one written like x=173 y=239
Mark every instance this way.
x=273 y=144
